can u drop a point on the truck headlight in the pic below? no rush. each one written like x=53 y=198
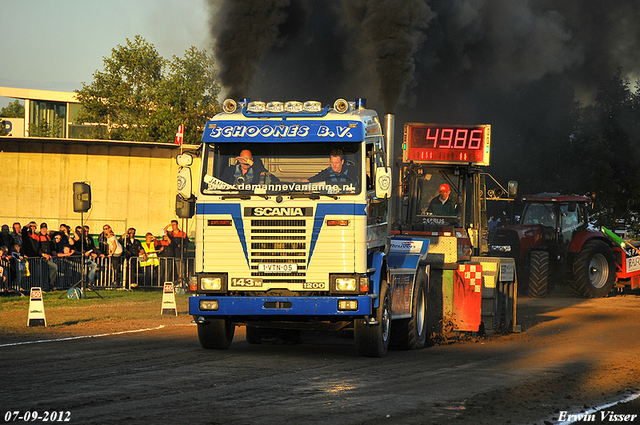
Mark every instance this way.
x=212 y=283
x=345 y=284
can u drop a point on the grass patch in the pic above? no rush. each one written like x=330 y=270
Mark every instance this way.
x=59 y=299
x=115 y=311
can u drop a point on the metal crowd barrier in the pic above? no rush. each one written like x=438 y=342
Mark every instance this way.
x=69 y=273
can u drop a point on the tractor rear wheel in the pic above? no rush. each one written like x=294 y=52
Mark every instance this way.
x=594 y=270
x=538 y=274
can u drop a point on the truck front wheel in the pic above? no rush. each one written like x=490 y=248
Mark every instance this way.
x=411 y=334
x=373 y=340
x=594 y=270
x=216 y=334
x=538 y=274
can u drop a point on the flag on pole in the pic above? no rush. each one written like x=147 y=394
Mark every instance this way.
x=179 y=135
x=615 y=238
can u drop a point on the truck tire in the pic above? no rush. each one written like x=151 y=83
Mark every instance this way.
x=538 y=274
x=373 y=340
x=411 y=334
x=594 y=270
x=216 y=334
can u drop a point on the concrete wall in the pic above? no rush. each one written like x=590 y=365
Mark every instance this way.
x=132 y=184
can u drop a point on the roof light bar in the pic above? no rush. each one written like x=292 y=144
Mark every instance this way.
x=257 y=106
x=275 y=107
x=312 y=106
x=293 y=106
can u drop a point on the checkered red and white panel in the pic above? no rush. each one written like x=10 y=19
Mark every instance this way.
x=472 y=275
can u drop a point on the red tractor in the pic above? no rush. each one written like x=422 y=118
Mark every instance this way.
x=554 y=237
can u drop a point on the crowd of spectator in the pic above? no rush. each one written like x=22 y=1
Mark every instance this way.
x=55 y=246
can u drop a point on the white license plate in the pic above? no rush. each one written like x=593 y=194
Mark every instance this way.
x=278 y=268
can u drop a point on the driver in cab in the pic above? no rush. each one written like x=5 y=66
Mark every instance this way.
x=246 y=171
x=443 y=204
x=336 y=172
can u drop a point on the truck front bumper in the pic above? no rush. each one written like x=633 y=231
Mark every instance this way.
x=280 y=306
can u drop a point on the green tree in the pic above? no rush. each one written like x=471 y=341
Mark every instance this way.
x=123 y=95
x=188 y=96
x=608 y=150
x=137 y=100
x=13 y=110
x=48 y=129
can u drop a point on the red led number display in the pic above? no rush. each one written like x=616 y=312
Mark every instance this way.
x=428 y=142
x=446 y=138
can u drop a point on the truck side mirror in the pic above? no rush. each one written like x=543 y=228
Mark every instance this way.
x=383 y=182
x=512 y=188
x=184 y=182
x=184 y=159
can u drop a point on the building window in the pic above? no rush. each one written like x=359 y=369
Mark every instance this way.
x=47 y=119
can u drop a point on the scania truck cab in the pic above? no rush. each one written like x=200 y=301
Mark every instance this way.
x=292 y=227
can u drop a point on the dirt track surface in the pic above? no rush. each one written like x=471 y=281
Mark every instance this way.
x=572 y=355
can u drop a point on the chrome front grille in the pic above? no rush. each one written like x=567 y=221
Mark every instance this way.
x=279 y=241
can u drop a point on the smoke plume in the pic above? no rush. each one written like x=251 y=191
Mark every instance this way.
x=244 y=32
x=399 y=52
x=519 y=65
x=384 y=35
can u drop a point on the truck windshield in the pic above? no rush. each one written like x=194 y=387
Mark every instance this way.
x=282 y=168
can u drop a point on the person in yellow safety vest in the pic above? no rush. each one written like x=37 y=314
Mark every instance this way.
x=150 y=255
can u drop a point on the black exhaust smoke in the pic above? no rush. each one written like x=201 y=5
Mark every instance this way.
x=390 y=32
x=244 y=31
x=466 y=60
x=379 y=39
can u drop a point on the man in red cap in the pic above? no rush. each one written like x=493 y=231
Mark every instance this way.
x=442 y=204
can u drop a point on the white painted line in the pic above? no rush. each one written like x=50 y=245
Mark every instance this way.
x=81 y=337
x=584 y=416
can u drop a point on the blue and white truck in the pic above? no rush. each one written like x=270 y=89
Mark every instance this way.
x=293 y=228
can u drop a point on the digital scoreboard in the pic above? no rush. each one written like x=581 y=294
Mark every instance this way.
x=447 y=144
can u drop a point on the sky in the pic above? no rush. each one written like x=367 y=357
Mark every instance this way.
x=58 y=45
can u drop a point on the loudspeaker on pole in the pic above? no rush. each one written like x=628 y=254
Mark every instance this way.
x=81 y=197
